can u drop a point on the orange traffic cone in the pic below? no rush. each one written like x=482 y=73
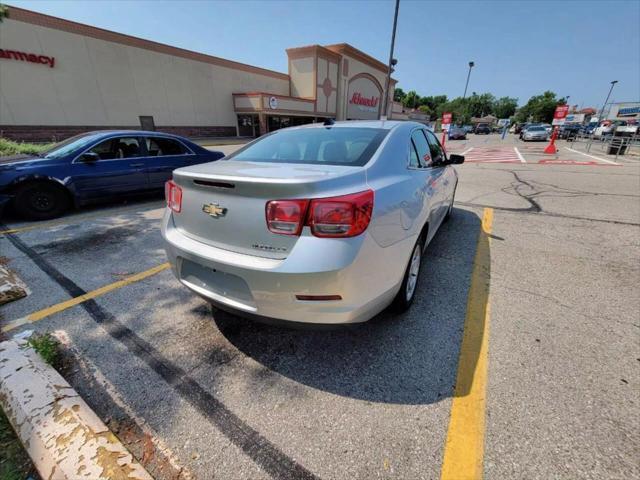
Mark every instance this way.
x=551 y=148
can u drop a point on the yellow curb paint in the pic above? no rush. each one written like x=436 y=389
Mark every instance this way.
x=464 y=448
x=59 y=307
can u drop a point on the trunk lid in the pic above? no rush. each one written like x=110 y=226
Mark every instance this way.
x=223 y=202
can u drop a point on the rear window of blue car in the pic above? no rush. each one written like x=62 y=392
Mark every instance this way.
x=322 y=146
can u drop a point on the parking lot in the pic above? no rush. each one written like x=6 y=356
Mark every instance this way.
x=520 y=356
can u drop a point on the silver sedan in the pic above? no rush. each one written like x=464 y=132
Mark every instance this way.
x=324 y=223
x=535 y=133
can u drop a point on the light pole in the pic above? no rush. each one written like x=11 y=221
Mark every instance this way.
x=607 y=99
x=471 y=65
x=392 y=62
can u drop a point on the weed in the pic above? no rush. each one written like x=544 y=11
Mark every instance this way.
x=47 y=347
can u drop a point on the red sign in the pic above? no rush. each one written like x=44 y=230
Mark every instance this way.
x=27 y=57
x=358 y=99
x=561 y=112
x=446 y=118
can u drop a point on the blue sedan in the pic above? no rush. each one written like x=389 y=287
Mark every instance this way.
x=95 y=166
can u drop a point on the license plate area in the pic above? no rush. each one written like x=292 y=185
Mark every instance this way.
x=216 y=281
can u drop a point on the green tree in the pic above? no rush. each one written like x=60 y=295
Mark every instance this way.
x=425 y=109
x=458 y=107
x=412 y=99
x=398 y=95
x=505 y=107
x=480 y=105
x=4 y=12
x=540 y=108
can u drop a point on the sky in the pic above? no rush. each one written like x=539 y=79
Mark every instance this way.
x=520 y=48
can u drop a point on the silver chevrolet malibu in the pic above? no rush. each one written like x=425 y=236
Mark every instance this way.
x=324 y=223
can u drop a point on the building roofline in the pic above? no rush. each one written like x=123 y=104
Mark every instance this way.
x=297 y=52
x=346 y=49
x=48 y=21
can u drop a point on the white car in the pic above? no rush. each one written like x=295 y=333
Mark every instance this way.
x=319 y=224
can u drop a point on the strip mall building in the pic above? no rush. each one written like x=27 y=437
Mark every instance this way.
x=59 y=78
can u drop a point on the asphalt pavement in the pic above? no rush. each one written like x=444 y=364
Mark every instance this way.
x=229 y=398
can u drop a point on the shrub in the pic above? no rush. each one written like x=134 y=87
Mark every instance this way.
x=8 y=147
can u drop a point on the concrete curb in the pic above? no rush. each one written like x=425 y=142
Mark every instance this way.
x=63 y=436
x=11 y=287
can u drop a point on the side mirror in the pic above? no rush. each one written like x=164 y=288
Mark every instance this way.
x=456 y=159
x=90 y=157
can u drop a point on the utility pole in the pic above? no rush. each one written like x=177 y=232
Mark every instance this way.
x=607 y=99
x=392 y=62
x=471 y=65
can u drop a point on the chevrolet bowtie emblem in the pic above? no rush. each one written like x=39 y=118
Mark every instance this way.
x=214 y=210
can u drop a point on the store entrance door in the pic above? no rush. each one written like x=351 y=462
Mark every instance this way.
x=248 y=126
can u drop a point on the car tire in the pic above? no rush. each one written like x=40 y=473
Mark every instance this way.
x=404 y=298
x=41 y=200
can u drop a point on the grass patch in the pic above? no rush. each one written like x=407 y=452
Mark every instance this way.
x=47 y=347
x=15 y=464
x=8 y=147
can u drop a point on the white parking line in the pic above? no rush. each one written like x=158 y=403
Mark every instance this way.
x=466 y=151
x=591 y=156
x=519 y=155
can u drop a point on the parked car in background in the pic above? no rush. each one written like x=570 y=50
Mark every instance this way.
x=482 y=129
x=608 y=127
x=537 y=132
x=589 y=129
x=526 y=126
x=95 y=166
x=548 y=128
x=570 y=130
x=292 y=226
x=457 y=133
x=468 y=128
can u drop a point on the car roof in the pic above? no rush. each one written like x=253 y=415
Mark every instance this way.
x=382 y=124
x=106 y=133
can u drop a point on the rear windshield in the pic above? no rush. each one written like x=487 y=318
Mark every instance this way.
x=323 y=146
x=536 y=129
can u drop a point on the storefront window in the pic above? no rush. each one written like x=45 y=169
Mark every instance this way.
x=277 y=122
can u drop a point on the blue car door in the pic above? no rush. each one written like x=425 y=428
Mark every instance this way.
x=164 y=155
x=112 y=167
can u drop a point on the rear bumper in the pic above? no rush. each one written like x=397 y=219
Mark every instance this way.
x=357 y=269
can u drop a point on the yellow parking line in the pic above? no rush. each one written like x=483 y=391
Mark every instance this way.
x=464 y=448
x=76 y=219
x=59 y=307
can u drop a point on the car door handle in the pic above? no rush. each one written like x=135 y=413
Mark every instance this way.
x=136 y=164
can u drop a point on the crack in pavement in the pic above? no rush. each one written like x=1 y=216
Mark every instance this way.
x=535 y=208
x=528 y=211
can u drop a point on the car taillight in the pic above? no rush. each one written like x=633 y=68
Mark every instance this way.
x=286 y=216
x=345 y=216
x=334 y=217
x=173 y=195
